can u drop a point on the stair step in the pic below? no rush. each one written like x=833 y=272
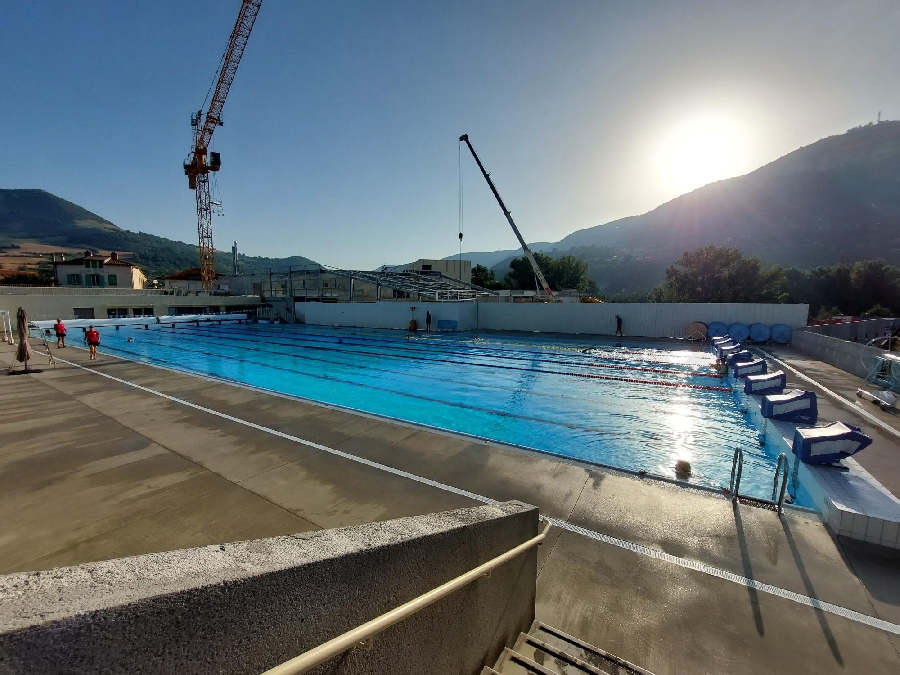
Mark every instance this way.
x=513 y=663
x=552 y=658
x=487 y=670
x=583 y=651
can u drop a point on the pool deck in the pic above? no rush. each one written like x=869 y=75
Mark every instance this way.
x=93 y=468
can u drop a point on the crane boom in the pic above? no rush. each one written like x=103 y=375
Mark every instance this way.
x=509 y=218
x=197 y=168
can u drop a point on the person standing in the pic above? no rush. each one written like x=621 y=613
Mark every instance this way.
x=619 y=325
x=92 y=338
x=60 y=329
x=427 y=322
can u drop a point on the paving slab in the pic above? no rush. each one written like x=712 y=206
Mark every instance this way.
x=671 y=620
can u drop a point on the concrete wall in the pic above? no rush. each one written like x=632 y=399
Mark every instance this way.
x=246 y=607
x=639 y=319
x=52 y=303
x=853 y=357
x=859 y=330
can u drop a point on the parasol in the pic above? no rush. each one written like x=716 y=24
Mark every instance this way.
x=23 y=351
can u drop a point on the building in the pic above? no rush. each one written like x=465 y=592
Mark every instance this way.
x=190 y=280
x=98 y=271
x=453 y=268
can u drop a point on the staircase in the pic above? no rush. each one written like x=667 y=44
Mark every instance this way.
x=549 y=651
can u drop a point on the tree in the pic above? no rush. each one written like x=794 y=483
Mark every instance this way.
x=485 y=277
x=565 y=272
x=521 y=276
x=719 y=274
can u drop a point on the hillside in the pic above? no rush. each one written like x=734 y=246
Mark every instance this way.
x=38 y=216
x=836 y=200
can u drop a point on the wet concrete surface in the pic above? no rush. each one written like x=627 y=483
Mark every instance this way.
x=93 y=469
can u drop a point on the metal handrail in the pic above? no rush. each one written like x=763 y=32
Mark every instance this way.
x=364 y=633
x=782 y=461
x=737 y=467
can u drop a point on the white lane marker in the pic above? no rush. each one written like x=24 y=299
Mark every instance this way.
x=865 y=413
x=686 y=563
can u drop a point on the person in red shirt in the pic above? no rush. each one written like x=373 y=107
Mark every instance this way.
x=92 y=338
x=60 y=334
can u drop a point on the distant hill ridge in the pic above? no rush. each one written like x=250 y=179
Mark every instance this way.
x=39 y=216
x=836 y=200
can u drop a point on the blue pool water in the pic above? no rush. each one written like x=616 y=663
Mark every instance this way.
x=621 y=406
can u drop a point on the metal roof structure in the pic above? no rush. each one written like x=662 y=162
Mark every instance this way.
x=425 y=284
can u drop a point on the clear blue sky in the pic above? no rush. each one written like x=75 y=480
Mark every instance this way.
x=340 y=136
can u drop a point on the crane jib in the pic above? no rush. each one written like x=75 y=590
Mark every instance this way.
x=197 y=170
x=528 y=254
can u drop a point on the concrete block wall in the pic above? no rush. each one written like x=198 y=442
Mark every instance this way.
x=858 y=330
x=853 y=357
x=639 y=319
x=248 y=606
x=53 y=303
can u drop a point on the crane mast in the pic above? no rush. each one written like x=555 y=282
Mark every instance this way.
x=509 y=218
x=197 y=167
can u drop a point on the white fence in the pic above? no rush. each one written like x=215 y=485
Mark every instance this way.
x=638 y=319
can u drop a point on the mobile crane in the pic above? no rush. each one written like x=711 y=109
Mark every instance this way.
x=528 y=254
x=196 y=168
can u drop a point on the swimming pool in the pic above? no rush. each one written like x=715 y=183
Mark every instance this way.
x=631 y=406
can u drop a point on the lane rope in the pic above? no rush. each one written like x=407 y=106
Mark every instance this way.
x=209 y=332
x=685 y=563
x=592 y=376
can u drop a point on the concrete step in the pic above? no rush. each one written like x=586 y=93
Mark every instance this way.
x=584 y=652
x=552 y=658
x=513 y=663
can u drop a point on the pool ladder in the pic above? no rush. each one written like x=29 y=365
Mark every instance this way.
x=781 y=469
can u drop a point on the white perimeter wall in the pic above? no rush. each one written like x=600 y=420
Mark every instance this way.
x=639 y=319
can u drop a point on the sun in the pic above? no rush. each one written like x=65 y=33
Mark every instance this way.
x=701 y=150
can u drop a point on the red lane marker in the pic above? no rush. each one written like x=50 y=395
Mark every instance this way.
x=692 y=373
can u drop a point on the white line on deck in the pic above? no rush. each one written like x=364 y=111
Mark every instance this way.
x=686 y=563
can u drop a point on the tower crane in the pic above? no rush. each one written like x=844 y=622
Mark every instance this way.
x=196 y=167
x=512 y=224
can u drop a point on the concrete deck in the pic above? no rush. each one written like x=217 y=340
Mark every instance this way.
x=92 y=468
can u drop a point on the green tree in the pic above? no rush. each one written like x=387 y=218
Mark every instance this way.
x=565 y=272
x=485 y=277
x=719 y=274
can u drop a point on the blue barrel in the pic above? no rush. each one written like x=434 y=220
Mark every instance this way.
x=717 y=329
x=738 y=332
x=759 y=332
x=781 y=333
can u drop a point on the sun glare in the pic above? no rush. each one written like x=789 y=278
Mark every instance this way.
x=700 y=151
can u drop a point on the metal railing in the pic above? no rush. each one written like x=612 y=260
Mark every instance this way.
x=363 y=635
x=782 y=462
x=737 y=467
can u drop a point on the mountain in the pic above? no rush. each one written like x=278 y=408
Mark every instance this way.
x=836 y=200
x=38 y=216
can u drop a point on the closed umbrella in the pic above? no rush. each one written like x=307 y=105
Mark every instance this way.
x=23 y=351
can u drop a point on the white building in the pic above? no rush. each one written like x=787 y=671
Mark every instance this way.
x=98 y=271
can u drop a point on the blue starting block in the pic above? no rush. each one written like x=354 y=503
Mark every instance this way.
x=791 y=406
x=742 y=356
x=829 y=444
x=741 y=370
x=771 y=383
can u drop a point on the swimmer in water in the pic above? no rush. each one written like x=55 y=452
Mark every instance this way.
x=131 y=339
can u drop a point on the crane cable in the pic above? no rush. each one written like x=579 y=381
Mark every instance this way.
x=460 y=198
